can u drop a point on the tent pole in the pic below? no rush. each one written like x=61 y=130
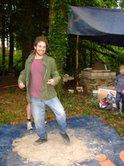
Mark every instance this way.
x=77 y=42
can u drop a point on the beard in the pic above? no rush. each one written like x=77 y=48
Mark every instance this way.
x=39 y=53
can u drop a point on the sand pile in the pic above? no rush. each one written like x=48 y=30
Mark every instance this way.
x=54 y=152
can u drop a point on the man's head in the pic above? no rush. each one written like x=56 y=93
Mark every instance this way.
x=40 y=45
x=122 y=69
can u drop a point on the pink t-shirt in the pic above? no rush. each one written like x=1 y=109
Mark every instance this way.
x=37 y=70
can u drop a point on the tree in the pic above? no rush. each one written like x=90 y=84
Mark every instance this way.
x=7 y=28
x=58 y=25
x=22 y=21
x=32 y=21
x=11 y=31
x=58 y=31
x=3 y=28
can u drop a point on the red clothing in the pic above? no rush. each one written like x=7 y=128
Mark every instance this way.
x=37 y=70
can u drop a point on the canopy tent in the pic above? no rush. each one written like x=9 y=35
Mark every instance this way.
x=103 y=25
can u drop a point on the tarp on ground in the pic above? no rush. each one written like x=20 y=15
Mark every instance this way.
x=103 y=25
x=97 y=136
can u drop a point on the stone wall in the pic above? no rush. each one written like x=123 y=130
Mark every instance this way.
x=92 y=79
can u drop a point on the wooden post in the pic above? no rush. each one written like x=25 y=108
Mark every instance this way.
x=77 y=42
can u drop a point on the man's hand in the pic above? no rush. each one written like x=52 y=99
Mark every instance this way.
x=51 y=82
x=21 y=85
x=122 y=92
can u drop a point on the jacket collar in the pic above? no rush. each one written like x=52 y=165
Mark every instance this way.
x=31 y=57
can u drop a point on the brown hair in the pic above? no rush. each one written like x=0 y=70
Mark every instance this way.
x=122 y=67
x=40 y=38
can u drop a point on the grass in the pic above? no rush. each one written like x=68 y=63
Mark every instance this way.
x=13 y=104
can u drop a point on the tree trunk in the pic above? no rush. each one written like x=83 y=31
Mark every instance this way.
x=3 y=50
x=11 y=51
x=3 y=42
x=26 y=51
x=28 y=30
x=91 y=56
x=84 y=58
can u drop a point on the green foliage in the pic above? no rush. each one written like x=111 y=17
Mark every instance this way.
x=21 y=21
x=5 y=67
x=106 y=54
x=58 y=32
x=7 y=117
x=17 y=60
x=122 y=4
x=92 y=101
x=58 y=36
x=31 y=18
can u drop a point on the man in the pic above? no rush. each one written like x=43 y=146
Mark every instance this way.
x=40 y=76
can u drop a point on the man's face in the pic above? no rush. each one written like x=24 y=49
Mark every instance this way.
x=122 y=71
x=40 y=48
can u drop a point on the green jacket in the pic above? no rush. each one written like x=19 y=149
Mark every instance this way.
x=50 y=71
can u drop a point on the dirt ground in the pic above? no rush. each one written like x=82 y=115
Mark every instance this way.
x=13 y=106
x=8 y=81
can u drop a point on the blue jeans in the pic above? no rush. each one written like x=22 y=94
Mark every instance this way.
x=120 y=98
x=38 y=113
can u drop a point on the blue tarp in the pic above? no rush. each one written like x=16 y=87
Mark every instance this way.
x=98 y=24
x=98 y=136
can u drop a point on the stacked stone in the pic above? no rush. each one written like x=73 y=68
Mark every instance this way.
x=92 y=79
